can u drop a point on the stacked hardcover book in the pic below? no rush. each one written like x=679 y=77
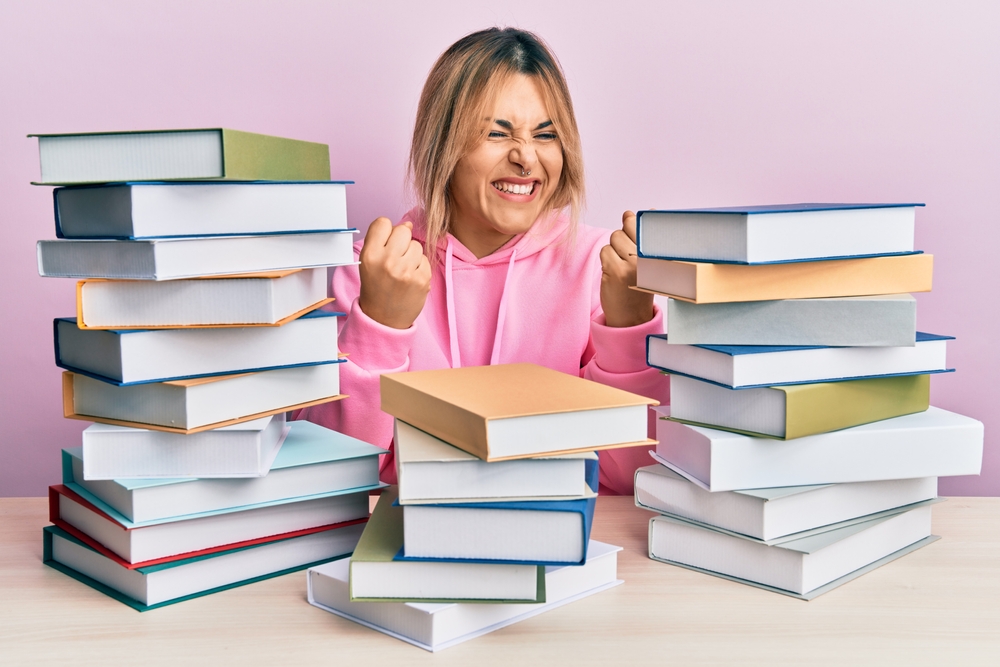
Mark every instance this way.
x=490 y=523
x=800 y=449
x=201 y=262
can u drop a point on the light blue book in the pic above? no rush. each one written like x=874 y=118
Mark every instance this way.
x=313 y=462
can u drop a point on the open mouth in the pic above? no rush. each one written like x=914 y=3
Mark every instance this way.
x=515 y=188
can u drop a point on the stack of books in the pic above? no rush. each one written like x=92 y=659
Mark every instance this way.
x=201 y=257
x=800 y=449
x=490 y=523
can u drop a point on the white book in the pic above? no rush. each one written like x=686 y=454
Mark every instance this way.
x=189 y=257
x=774 y=513
x=741 y=366
x=868 y=321
x=240 y=450
x=262 y=299
x=437 y=626
x=150 y=210
x=935 y=443
x=157 y=355
x=203 y=402
x=806 y=567
x=782 y=233
x=312 y=461
x=189 y=536
x=430 y=470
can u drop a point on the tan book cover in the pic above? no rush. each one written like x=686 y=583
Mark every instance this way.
x=514 y=411
x=701 y=282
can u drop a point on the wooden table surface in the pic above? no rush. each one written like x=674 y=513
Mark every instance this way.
x=937 y=606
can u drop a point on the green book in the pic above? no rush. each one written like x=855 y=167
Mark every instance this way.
x=178 y=155
x=794 y=411
x=376 y=576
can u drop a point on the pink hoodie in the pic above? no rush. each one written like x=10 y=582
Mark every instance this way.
x=536 y=299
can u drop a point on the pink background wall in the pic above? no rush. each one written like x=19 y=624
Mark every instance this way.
x=679 y=103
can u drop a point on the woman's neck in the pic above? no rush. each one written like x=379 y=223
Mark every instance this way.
x=480 y=240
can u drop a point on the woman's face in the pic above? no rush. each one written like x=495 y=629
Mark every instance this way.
x=505 y=183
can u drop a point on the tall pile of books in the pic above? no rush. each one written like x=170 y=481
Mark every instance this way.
x=800 y=449
x=201 y=257
x=490 y=523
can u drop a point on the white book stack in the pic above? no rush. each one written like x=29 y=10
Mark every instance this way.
x=799 y=451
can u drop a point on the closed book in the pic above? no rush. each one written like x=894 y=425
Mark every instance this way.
x=797 y=410
x=701 y=282
x=313 y=461
x=140 y=546
x=775 y=513
x=804 y=568
x=741 y=366
x=934 y=443
x=430 y=470
x=131 y=356
x=513 y=411
x=199 y=404
x=437 y=626
x=191 y=257
x=552 y=532
x=375 y=575
x=158 y=210
x=261 y=299
x=242 y=450
x=184 y=154
x=866 y=321
x=176 y=581
x=779 y=233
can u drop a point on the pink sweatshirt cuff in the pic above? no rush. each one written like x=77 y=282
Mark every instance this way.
x=623 y=349
x=374 y=346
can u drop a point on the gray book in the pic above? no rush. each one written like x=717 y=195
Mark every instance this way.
x=865 y=321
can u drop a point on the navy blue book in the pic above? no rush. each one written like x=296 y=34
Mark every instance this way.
x=776 y=233
x=746 y=366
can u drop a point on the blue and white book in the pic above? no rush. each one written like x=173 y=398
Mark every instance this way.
x=313 y=462
x=137 y=356
x=745 y=366
x=778 y=233
x=163 y=210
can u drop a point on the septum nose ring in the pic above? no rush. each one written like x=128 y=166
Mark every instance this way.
x=525 y=173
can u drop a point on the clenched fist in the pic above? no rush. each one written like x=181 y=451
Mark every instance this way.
x=395 y=275
x=623 y=307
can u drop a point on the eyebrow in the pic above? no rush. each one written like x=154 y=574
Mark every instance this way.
x=507 y=125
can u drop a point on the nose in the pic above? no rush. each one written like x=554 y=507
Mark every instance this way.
x=523 y=155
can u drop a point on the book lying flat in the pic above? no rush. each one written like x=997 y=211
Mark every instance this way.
x=176 y=581
x=871 y=321
x=191 y=257
x=781 y=233
x=435 y=626
x=242 y=450
x=313 y=461
x=797 y=410
x=158 y=210
x=934 y=443
x=514 y=411
x=375 y=575
x=135 y=356
x=742 y=366
x=186 y=154
x=701 y=282
x=263 y=299
x=134 y=547
x=803 y=568
x=199 y=404
x=774 y=513
x=430 y=470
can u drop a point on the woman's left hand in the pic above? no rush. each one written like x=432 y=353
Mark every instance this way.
x=623 y=307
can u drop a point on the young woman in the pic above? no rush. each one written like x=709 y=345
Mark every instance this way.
x=492 y=266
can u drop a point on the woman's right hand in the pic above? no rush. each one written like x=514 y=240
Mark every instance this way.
x=395 y=275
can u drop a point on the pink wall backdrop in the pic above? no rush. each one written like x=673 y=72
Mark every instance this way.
x=680 y=104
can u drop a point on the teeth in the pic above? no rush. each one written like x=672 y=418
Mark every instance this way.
x=513 y=188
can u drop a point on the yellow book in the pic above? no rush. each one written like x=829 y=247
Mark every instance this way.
x=794 y=411
x=701 y=282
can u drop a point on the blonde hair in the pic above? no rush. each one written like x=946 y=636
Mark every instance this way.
x=460 y=91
